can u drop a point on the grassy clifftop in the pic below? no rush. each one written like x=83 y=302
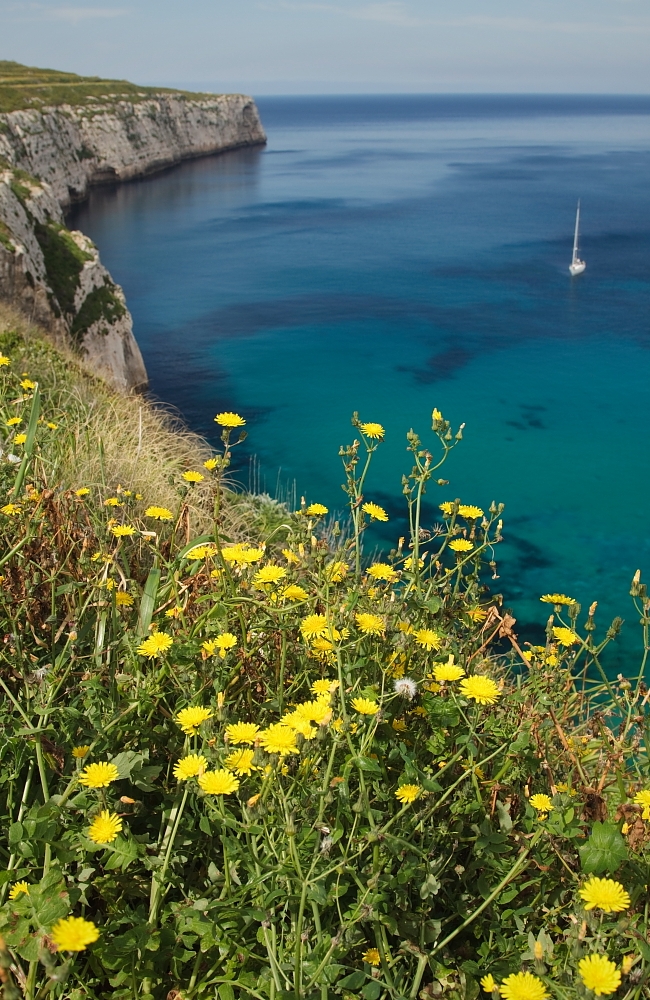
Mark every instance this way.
x=28 y=87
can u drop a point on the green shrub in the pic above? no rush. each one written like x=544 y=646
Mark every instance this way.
x=267 y=769
x=101 y=303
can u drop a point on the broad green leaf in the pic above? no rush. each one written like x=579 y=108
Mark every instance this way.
x=604 y=851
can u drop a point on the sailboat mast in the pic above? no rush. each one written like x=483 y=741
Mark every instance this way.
x=575 y=235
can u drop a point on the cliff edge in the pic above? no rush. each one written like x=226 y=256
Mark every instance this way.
x=98 y=131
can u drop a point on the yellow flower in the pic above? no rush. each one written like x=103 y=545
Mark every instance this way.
x=374 y=511
x=523 y=986
x=408 y=793
x=294 y=593
x=477 y=614
x=20 y=438
x=268 y=575
x=18 y=888
x=627 y=963
x=105 y=827
x=189 y=767
x=469 y=511
x=210 y=464
x=201 y=552
x=241 y=554
x=541 y=802
x=371 y=956
x=599 y=974
x=52 y=426
x=428 y=638
x=82 y=492
x=557 y=599
x=447 y=507
x=364 y=706
x=98 y=775
x=313 y=626
x=336 y=572
x=372 y=430
x=228 y=419
x=604 y=894
x=382 y=571
x=290 y=556
x=409 y=564
x=370 y=624
x=159 y=513
x=242 y=732
x=461 y=545
x=448 y=671
x=10 y=509
x=317 y=711
x=12 y=423
x=190 y=718
x=278 y=739
x=316 y=509
x=74 y=934
x=113 y=502
x=480 y=689
x=28 y=384
x=192 y=477
x=123 y=600
x=174 y=612
x=643 y=799
x=489 y=983
x=323 y=686
x=155 y=645
x=122 y=530
x=218 y=782
x=241 y=761
x=297 y=722
x=80 y=752
x=4 y=360
x=565 y=636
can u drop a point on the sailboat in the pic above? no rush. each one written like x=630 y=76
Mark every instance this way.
x=576 y=266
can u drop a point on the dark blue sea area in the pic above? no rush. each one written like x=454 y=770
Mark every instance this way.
x=392 y=254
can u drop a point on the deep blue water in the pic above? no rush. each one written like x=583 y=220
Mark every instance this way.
x=389 y=254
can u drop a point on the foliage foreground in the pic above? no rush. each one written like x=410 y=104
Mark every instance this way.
x=269 y=769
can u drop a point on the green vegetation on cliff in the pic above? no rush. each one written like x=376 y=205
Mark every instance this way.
x=26 y=87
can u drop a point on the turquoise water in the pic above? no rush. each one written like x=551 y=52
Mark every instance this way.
x=393 y=254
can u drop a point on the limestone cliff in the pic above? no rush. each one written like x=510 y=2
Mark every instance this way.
x=49 y=158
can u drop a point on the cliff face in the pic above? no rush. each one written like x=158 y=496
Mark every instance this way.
x=50 y=159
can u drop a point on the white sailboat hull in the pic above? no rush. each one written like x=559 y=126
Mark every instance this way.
x=577 y=268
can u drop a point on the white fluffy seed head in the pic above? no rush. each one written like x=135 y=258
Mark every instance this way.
x=407 y=687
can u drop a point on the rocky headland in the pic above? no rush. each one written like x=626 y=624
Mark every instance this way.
x=50 y=155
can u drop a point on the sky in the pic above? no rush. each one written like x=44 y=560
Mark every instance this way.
x=341 y=46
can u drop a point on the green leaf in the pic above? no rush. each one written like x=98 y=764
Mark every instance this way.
x=15 y=834
x=372 y=990
x=121 y=854
x=226 y=992
x=148 y=602
x=353 y=982
x=605 y=851
x=366 y=764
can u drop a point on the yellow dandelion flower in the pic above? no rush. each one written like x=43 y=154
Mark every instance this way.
x=489 y=983
x=201 y=552
x=113 y=502
x=408 y=793
x=159 y=513
x=480 y=689
x=105 y=827
x=241 y=762
x=4 y=360
x=447 y=507
x=278 y=739
x=317 y=711
x=242 y=732
x=192 y=477
x=190 y=767
x=294 y=593
x=643 y=799
x=469 y=511
x=219 y=782
x=80 y=752
x=290 y=556
x=122 y=530
x=13 y=421
x=604 y=894
x=28 y=384
x=17 y=889
x=316 y=509
x=627 y=963
x=98 y=775
x=224 y=642
x=448 y=671
x=190 y=718
x=241 y=554
x=323 y=686
x=210 y=464
x=228 y=419
x=20 y=438
x=83 y=491
x=74 y=934
x=123 y=600
x=599 y=974
x=11 y=509
x=382 y=571
x=313 y=626
x=523 y=986
x=269 y=575
x=371 y=956
x=155 y=645
x=370 y=624
x=336 y=572
x=428 y=638
x=477 y=614
x=52 y=426
x=372 y=430
x=364 y=706
x=174 y=612
x=297 y=722
x=461 y=545
x=565 y=636
x=542 y=803
x=374 y=511
x=409 y=564
x=557 y=599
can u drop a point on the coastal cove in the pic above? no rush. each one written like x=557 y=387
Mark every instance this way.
x=392 y=254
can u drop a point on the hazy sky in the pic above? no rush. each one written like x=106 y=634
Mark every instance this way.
x=324 y=46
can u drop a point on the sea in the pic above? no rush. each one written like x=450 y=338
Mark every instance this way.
x=392 y=254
